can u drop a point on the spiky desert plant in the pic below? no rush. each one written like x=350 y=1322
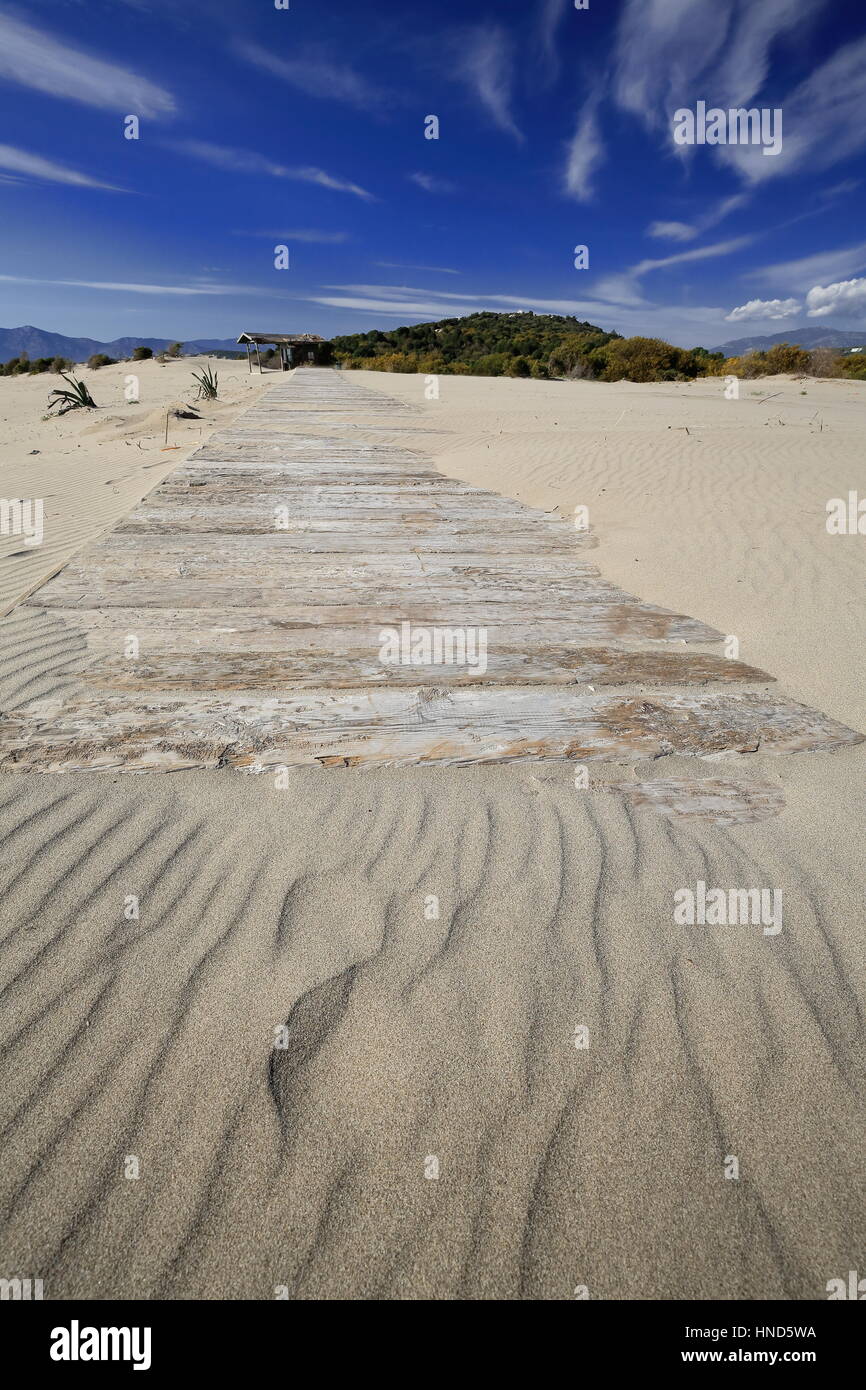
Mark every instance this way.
x=208 y=382
x=78 y=398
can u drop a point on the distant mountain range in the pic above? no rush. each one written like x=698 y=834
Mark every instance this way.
x=807 y=338
x=38 y=342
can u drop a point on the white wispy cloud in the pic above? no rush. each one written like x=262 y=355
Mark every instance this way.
x=620 y=288
x=846 y=297
x=430 y=183
x=669 y=53
x=758 y=310
x=130 y=287
x=699 y=253
x=745 y=55
x=403 y=302
x=661 y=50
x=249 y=162
x=838 y=190
x=808 y=270
x=483 y=61
x=394 y=291
x=672 y=231
x=399 y=309
x=315 y=74
x=33 y=166
x=37 y=58
x=624 y=288
x=398 y=265
x=687 y=231
x=822 y=121
x=401 y=296
x=550 y=15
x=309 y=234
x=585 y=153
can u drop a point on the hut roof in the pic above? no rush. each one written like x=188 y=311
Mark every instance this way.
x=281 y=339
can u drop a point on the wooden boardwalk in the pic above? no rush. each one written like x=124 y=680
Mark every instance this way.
x=236 y=618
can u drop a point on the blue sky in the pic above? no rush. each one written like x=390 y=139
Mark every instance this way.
x=306 y=126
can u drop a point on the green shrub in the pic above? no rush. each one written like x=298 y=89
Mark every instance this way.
x=208 y=384
x=853 y=365
x=494 y=364
x=780 y=359
x=785 y=357
x=76 y=398
x=17 y=365
x=646 y=359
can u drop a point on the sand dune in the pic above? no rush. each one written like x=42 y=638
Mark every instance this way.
x=409 y=1038
x=302 y=915
x=90 y=468
x=725 y=522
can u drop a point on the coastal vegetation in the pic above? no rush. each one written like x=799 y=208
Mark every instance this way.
x=22 y=365
x=208 y=384
x=75 y=396
x=555 y=347
x=542 y=346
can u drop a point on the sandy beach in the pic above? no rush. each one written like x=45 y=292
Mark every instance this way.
x=537 y=1092
x=90 y=467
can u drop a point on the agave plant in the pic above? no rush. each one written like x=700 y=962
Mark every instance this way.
x=78 y=398
x=207 y=384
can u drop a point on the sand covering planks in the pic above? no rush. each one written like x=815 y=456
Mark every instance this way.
x=235 y=619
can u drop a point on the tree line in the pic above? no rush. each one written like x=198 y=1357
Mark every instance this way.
x=23 y=366
x=555 y=347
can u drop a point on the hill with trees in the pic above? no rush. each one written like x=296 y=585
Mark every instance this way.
x=484 y=344
x=554 y=346
x=543 y=346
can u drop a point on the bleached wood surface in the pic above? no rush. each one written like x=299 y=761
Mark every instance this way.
x=258 y=577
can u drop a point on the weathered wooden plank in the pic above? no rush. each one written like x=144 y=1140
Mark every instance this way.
x=327 y=499
x=322 y=511
x=85 y=591
x=343 y=469
x=566 y=621
x=401 y=727
x=279 y=518
x=313 y=568
x=395 y=535
x=259 y=646
x=278 y=548
x=292 y=477
x=718 y=800
x=346 y=664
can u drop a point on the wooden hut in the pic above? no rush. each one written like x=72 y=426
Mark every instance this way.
x=294 y=349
